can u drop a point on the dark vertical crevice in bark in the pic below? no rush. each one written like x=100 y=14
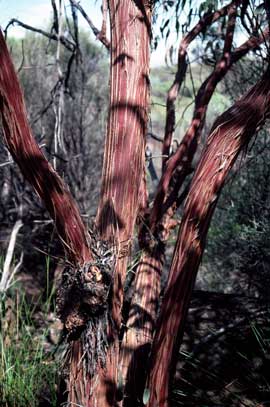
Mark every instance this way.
x=230 y=134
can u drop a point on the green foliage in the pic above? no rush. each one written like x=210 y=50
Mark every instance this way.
x=172 y=11
x=208 y=6
x=237 y=254
x=25 y=370
x=28 y=373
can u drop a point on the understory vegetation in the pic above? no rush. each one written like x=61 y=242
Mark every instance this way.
x=225 y=357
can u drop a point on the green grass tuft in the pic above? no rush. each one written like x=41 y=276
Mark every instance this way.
x=28 y=373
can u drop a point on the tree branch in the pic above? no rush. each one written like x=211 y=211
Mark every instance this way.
x=230 y=134
x=187 y=147
x=64 y=41
x=100 y=35
x=35 y=167
x=206 y=20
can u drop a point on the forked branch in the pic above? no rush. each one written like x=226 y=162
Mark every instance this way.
x=207 y=20
x=184 y=154
x=51 y=36
x=99 y=34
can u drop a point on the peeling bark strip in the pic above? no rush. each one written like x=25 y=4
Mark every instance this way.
x=230 y=134
x=34 y=166
x=121 y=178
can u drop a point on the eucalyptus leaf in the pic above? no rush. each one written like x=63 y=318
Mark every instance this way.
x=146 y=396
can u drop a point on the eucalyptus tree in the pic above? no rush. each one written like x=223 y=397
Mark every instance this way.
x=107 y=361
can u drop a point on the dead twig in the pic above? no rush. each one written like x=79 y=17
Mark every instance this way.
x=99 y=34
x=51 y=36
x=7 y=274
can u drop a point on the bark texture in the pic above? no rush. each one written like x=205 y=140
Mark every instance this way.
x=137 y=340
x=230 y=134
x=34 y=165
x=128 y=116
x=143 y=310
x=182 y=159
x=121 y=179
x=123 y=195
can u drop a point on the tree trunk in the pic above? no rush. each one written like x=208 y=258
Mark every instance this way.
x=93 y=320
x=138 y=336
x=230 y=134
x=121 y=179
x=144 y=303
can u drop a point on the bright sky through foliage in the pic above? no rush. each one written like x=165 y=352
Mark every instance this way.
x=38 y=13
